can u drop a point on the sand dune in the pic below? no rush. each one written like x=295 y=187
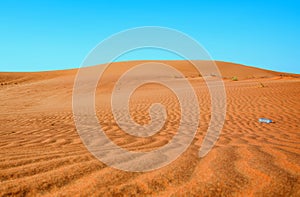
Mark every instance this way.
x=41 y=152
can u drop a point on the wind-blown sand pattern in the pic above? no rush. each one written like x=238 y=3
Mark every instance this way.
x=42 y=153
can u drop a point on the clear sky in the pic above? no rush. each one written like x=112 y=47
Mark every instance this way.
x=58 y=34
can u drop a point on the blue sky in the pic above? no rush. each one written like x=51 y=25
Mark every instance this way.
x=49 y=35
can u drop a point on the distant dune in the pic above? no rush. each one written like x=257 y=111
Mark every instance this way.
x=42 y=154
x=227 y=69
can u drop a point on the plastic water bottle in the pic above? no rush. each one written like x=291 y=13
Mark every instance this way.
x=265 y=120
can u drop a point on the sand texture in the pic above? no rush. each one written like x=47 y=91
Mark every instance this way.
x=41 y=152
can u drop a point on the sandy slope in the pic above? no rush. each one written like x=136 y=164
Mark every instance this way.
x=42 y=154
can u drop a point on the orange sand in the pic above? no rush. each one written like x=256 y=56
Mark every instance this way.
x=42 y=154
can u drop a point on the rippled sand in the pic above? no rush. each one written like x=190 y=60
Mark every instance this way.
x=41 y=152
